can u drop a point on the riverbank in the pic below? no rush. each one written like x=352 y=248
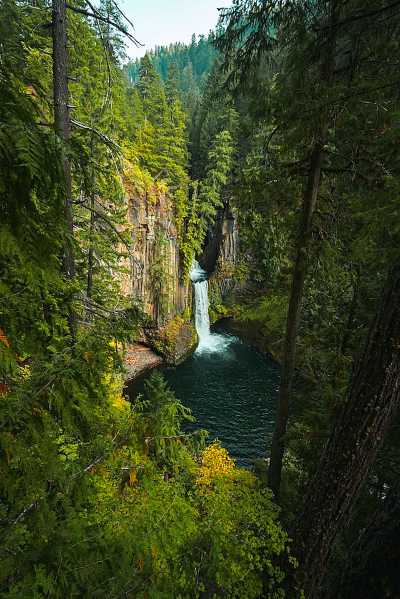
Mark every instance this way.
x=231 y=390
x=138 y=359
x=252 y=334
x=257 y=316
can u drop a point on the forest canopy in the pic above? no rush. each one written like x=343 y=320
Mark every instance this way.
x=114 y=177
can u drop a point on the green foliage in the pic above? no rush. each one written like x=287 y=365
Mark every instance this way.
x=57 y=420
x=159 y=276
x=236 y=566
x=192 y=63
x=160 y=144
x=207 y=197
x=190 y=244
x=107 y=500
x=159 y=420
x=34 y=295
x=218 y=168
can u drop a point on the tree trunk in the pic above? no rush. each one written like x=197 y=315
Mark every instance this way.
x=293 y=317
x=62 y=125
x=300 y=270
x=91 y=249
x=351 y=449
x=375 y=543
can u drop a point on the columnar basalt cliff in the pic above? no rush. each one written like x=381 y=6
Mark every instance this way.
x=228 y=254
x=222 y=243
x=154 y=277
x=221 y=259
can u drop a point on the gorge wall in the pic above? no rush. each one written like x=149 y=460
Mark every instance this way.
x=156 y=278
x=153 y=276
x=221 y=260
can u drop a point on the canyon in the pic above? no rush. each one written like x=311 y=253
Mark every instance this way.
x=153 y=278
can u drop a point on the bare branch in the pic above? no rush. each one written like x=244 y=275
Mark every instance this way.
x=101 y=135
x=25 y=511
x=97 y=460
x=95 y=14
x=184 y=436
x=103 y=217
x=124 y=16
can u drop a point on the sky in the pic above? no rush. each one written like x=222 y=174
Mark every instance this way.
x=160 y=22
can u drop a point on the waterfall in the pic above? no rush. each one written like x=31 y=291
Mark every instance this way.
x=208 y=341
x=201 y=317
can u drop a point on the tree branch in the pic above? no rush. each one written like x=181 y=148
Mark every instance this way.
x=101 y=135
x=358 y=17
x=124 y=16
x=96 y=15
x=148 y=439
x=22 y=514
x=110 y=224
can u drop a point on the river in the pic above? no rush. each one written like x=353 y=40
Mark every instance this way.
x=231 y=388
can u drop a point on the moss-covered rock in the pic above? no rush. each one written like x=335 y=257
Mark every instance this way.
x=260 y=321
x=174 y=341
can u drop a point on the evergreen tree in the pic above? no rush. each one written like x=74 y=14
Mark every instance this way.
x=194 y=62
x=207 y=196
x=152 y=93
x=373 y=401
x=314 y=37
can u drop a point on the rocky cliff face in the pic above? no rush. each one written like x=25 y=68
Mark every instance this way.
x=221 y=253
x=221 y=259
x=228 y=254
x=154 y=277
x=229 y=250
x=155 y=265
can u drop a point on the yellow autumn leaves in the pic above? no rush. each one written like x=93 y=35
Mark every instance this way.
x=215 y=462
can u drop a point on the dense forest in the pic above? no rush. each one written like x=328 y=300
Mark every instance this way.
x=268 y=151
x=192 y=64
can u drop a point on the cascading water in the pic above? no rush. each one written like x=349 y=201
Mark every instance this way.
x=200 y=284
x=208 y=341
x=230 y=387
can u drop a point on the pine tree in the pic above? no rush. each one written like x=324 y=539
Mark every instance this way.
x=152 y=94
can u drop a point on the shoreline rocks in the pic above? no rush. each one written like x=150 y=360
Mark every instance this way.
x=138 y=359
